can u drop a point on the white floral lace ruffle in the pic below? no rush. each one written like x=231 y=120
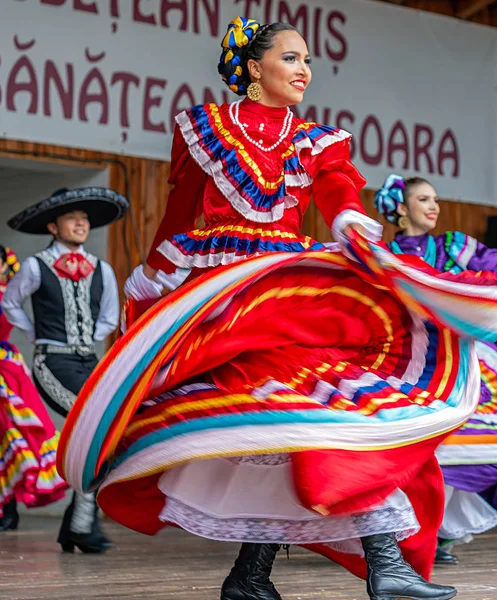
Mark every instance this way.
x=400 y=521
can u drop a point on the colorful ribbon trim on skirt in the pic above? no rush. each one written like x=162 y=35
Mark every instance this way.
x=144 y=364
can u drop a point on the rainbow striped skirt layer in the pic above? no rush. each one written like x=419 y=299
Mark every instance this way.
x=475 y=443
x=294 y=394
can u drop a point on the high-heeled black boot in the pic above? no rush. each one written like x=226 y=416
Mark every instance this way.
x=390 y=577
x=97 y=532
x=249 y=577
x=10 y=519
x=89 y=543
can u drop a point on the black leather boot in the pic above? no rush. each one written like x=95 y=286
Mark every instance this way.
x=97 y=532
x=442 y=557
x=249 y=577
x=89 y=543
x=10 y=519
x=390 y=577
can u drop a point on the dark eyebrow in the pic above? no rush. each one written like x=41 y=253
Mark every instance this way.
x=294 y=53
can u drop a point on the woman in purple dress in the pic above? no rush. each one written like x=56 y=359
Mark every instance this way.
x=469 y=459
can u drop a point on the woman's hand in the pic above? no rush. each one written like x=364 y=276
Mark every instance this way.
x=140 y=286
x=352 y=220
x=355 y=227
x=149 y=272
x=146 y=283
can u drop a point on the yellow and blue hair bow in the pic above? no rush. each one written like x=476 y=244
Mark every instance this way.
x=240 y=32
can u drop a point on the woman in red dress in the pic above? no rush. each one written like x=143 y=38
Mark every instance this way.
x=28 y=438
x=283 y=393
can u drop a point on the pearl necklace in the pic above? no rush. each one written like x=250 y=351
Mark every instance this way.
x=234 y=111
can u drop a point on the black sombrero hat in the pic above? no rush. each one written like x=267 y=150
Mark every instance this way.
x=103 y=206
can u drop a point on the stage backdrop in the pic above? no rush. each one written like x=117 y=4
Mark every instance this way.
x=417 y=90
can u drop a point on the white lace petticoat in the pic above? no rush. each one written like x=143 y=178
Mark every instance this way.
x=466 y=513
x=252 y=499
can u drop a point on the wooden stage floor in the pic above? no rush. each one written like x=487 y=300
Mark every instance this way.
x=177 y=566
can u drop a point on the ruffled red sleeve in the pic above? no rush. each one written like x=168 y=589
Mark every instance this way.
x=184 y=204
x=336 y=182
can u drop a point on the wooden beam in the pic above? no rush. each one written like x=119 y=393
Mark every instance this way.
x=473 y=8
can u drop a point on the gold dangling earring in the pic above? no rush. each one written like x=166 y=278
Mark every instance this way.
x=404 y=222
x=254 y=91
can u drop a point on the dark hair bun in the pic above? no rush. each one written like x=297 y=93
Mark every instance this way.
x=232 y=64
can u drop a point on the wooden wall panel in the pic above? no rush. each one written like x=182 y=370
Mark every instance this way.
x=131 y=238
x=143 y=181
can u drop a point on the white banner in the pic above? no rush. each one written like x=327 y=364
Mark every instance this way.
x=417 y=90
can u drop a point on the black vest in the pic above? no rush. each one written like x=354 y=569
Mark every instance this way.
x=64 y=310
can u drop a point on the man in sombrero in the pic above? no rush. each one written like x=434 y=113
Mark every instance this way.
x=75 y=304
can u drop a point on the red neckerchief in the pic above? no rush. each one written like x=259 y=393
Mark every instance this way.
x=73 y=265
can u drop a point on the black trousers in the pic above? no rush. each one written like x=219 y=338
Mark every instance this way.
x=60 y=377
